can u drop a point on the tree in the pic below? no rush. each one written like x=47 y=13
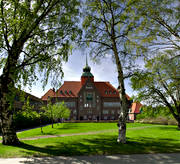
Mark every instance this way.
x=36 y=37
x=160 y=83
x=160 y=25
x=108 y=25
x=56 y=111
x=61 y=111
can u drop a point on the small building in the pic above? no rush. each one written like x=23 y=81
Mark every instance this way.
x=87 y=99
x=134 y=110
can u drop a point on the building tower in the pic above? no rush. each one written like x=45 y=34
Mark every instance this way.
x=86 y=75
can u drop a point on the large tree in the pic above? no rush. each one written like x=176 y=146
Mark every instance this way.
x=161 y=24
x=108 y=25
x=159 y=84
x=35 y=37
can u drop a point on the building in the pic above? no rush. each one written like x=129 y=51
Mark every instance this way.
x=34 y=101
x=87 y=99
x=135 y=109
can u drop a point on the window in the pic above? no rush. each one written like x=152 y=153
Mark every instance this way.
x=112 y=117
x=70 y=92
x=114 y=92
x=110 y=92
x=106 y=92
x=89 y=97
x=112 y=112
x=66 y=92
x=70 y=104
x=111 y=104
x=105 y=117
x=105 y=111
x=61 y=92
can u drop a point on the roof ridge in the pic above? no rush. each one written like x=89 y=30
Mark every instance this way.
x=72 y=81
x=111 y=85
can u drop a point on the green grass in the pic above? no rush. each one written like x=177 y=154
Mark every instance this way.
x=68 y=128
x=155 y=139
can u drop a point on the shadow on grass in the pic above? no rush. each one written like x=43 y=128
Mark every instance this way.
x=104 y=145
x=64 y=126
x=169 y=128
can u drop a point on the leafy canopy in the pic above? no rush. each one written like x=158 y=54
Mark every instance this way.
x=38 y=36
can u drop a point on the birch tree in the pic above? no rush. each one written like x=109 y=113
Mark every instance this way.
x=35 y=37
x=108 y=25
x=160 y=83
x=161 y=27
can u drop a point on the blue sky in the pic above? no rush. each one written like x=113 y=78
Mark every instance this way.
x=103 y=71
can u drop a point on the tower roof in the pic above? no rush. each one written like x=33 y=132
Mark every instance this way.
x=87 y=70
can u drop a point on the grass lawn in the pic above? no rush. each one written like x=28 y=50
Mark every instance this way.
x=155 y=139
x=68 y=128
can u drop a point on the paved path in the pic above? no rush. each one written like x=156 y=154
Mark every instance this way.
x=85 y=133
x=113 y=159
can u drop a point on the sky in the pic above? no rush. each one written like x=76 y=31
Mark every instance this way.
x=103 y=71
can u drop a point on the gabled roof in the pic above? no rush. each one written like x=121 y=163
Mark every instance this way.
x=136 y=107
x=69 y=89
x=72 y=88
x=49 y=93
x=105 y=89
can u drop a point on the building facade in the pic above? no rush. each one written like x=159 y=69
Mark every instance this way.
x=87 y=99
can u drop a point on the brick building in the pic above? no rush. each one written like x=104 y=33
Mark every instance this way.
x=33 y=101
x=87 y=99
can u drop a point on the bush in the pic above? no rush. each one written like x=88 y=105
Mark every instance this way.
x=24 y=120
x=154 y=112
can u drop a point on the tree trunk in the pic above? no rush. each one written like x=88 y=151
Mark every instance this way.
x=7 y=93
x=179 y=125
x=8 y=130
x=122 y=116
x=123 y=99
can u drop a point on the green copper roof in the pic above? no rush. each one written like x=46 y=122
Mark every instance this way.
x=87 y=74
x=87 y=70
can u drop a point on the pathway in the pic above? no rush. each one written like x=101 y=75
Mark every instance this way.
x=173 y=158
x=85 y=133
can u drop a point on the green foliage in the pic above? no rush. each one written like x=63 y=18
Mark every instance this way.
x=159 y=24
x=159 y=83
x=154 y=112
x=56 y=111
x=61 y=111
x=39 y=35
x=107 y=23
x=28 y=119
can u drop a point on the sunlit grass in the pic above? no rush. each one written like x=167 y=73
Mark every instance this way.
x=68 y=128
x=157 y=139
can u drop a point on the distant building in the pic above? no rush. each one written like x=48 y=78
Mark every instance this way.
x=135 y=109
x=33 y=101
x=87 y=99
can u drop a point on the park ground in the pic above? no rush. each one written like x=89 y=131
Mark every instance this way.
x=172 y=158
x=87 y=139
